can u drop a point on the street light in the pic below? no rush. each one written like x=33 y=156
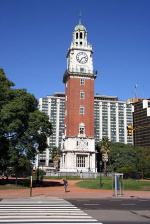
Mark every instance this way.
x=100 y=174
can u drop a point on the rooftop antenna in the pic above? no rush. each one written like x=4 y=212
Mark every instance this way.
x=135 y=90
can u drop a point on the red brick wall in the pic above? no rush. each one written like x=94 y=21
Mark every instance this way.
x=73 y=103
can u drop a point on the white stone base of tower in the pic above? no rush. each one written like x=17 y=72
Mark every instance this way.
x=78 y=155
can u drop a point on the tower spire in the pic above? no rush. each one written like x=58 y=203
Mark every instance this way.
x=80 y=16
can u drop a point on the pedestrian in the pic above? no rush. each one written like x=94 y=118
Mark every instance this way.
x=65 y=184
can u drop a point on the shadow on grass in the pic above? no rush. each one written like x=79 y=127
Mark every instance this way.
x=50 y=183
x=23 y=183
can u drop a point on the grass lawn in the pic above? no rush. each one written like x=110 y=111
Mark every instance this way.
x=129 y=184
x=11 y=183
x=11 y=186
x=63 y=177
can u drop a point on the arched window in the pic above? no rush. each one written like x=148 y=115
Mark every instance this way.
x=81 y=128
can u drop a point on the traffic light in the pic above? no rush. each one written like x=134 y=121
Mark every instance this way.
x=130 y=130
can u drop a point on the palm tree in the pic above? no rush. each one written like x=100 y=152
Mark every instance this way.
x=56 y=154
x=105 y=146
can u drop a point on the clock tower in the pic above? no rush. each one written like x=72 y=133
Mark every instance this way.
x=78 y=143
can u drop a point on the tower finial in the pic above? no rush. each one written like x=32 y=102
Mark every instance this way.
x=80 y=15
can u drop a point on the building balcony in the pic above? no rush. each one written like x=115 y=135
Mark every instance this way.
x=77 y=72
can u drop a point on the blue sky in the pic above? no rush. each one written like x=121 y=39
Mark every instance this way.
x=35 y=36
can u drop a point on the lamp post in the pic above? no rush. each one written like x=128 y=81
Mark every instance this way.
x=31 y=181
x=100 y=174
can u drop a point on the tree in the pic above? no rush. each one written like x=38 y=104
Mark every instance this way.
x=5 y=89
x=103 y=148
x=23 y=128
x=5 y=96
x=4 y=158
x=143 y=161
x=132 y=161
x=56 y=153
x=123 y=159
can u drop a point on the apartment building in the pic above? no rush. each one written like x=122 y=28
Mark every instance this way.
x=141 y=123
x=111 y=117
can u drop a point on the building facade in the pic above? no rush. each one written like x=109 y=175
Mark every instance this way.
x=141 y=123
x=54 y=107
x=111 y=118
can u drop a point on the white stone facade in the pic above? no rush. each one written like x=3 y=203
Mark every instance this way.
x=78 y=155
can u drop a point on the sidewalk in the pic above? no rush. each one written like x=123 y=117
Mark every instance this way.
x=73 y=192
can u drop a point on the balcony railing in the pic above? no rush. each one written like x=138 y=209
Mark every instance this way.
x=79 y=73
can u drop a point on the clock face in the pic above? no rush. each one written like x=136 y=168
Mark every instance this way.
x=83 y=144
x=82 y=57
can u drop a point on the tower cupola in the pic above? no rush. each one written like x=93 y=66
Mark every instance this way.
x=80 y=36
x=79 y=55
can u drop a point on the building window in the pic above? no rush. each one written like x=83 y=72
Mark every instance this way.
x=80 y=35
x=64 y=158
x=82 y=95
x=80 y=43
x=81 y=161
x=81 y=69
x=81 y=110
x=82 y=82
x=76 y=35
x=82 y=129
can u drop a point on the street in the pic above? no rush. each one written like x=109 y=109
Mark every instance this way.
x=42 y=210
x=116 y=210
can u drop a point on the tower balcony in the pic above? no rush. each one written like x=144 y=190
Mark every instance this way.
x=76 y=72
x=84 y=46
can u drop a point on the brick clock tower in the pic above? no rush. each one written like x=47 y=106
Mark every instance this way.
x=78 y=143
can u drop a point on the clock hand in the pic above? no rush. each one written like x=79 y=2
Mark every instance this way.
x=82 y=59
